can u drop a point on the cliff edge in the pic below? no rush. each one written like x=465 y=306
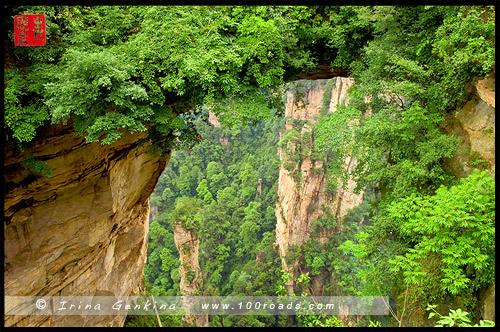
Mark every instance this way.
x=83 y=230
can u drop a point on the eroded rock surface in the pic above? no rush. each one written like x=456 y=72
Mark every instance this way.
x=300 y=203
x=83 y=230
x=187 y=243
x=474 y=124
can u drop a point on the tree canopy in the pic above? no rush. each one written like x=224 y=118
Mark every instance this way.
x=113 y=69
x=420 y=234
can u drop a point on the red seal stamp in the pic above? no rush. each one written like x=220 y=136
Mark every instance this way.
x=29 y=30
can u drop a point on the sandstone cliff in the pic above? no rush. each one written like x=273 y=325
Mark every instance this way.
x=83 y=230
x=474 y=123
x=302 y=197
x=187 y=243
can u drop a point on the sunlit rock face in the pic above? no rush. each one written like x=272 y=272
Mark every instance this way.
x=474 y=124
x=83 y=230
x=187 y=243
x=302 y=202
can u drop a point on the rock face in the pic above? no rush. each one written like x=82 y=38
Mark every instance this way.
x=187 y=243
x=302 y=196
x=153 y=212
x=474 y=123
x=83 y=230
x=213 y=120
x=487 y=297
x=486 y=89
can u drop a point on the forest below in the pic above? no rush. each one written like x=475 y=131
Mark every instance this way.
x=218 y=90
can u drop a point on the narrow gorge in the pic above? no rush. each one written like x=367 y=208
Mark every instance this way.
x=101 y=205
x=243 y=151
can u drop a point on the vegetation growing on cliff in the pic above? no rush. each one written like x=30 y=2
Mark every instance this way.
x=428 y=237
x=409 y=76
x=97 y=70
x=224 y=189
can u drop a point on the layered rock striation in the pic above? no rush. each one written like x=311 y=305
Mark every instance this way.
x=474 y=124
x=83 y=231
x=187 y=243
x=302 y=194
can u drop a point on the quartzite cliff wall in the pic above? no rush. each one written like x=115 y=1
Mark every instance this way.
x=82 y=231
x=474 y=124
x=187 y=243
x=299 y=204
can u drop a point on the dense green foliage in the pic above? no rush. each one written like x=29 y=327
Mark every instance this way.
x=421 y=235
x=456 y=318
x=454 y=234
x=306 y=318
x=224 y=190
x=395 y=133
x=97 y=70
x=437 y=233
